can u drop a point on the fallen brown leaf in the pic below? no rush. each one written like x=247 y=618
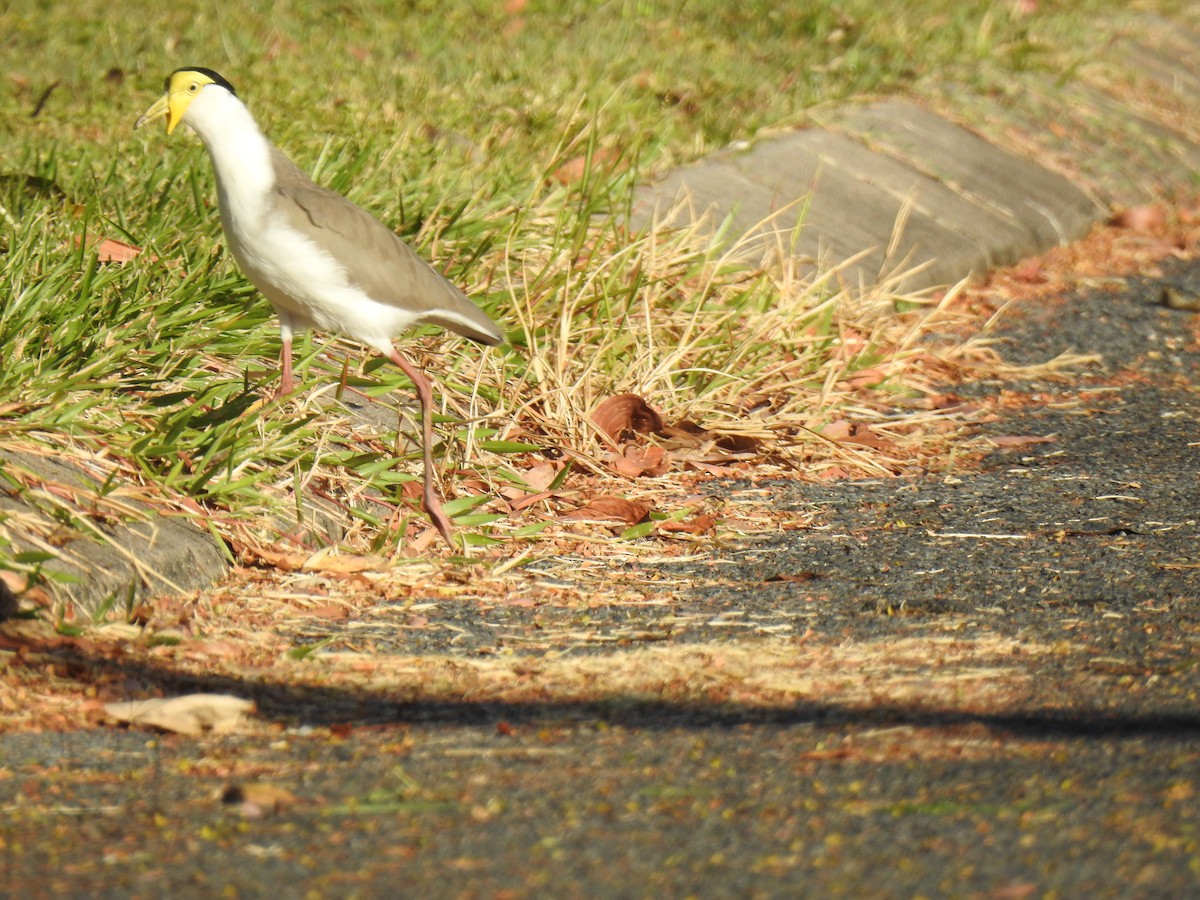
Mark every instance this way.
x=950 y=403
x=834 y=472
x=701 y=524
x=612 y=509
x=794 y=577
x=633 y=461
x=258 y=799
x=541 y=476
x=837 y=431
x=623 y=414
x=865 y=378
x=854 y=433
x=738 y=443
x=334 y=564
x=190 y=714
x=529 y=499
x=574 y=170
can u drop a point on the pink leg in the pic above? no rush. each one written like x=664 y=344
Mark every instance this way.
x=433 y=505
x=285 y=355
x=285 y=364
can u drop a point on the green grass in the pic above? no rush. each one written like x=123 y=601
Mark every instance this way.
x=448 y=120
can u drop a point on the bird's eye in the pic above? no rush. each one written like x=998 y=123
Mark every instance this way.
x=193 y=87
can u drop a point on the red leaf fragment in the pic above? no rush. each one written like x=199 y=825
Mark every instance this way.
x=794 y=577
x=1140 y=218
x=111 y=250
x=1030 y=271
x=529 y=499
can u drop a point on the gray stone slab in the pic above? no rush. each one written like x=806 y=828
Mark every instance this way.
x=717 y=188
x=1045 y=206
x=1167 y=70
x=159 y=554
x=943 y=231
x=1118 y=158
x=1170 y=39
x=759 y=219
x=162 y=555
x=965 y=206
x=1154 y=135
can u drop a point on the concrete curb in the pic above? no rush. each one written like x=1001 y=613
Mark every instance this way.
x=967 y=206
x=121 y=560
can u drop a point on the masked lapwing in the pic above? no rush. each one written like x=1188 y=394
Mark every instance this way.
x=320 y=261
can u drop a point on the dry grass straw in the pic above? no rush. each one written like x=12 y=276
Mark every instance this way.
x=763 y=348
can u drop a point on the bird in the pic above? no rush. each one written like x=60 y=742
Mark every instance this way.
x=320 y=261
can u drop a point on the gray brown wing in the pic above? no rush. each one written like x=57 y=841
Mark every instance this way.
x=375 y=259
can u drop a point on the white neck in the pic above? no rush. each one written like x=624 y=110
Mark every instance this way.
x=240 y=154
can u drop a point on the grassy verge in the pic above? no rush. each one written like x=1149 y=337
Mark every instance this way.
x=503 y=139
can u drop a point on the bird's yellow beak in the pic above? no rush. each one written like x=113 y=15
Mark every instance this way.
x=163 y=107
x=183 y=86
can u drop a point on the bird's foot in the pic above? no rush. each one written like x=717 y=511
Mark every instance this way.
x=286 y=386
x=433 y=506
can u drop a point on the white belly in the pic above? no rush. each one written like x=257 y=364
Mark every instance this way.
x=307 y=286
